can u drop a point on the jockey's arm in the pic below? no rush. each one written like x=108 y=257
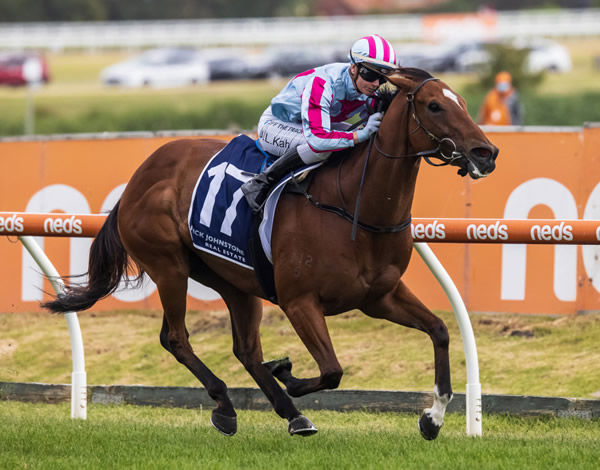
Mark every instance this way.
x=316 y=119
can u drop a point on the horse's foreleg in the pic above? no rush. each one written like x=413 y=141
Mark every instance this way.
x=402 y=307
x=246 y=314
x=308 y=320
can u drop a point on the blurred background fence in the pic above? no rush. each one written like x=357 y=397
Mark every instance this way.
x=278 y=31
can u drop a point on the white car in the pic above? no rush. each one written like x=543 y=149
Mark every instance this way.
x=545 y=54
x=165 y=67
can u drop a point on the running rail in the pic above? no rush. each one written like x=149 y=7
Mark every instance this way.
x=78 y=376
x=438 y=230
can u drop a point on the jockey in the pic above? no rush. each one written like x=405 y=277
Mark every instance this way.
x=305 y=121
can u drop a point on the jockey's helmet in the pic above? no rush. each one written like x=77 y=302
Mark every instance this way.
x=375 y=53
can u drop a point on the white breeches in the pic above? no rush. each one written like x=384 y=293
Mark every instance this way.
x=277 y=137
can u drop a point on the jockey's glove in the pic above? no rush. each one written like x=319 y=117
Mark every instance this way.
x=370 y=128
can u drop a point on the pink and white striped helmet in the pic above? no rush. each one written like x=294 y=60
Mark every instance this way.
x=375 y=51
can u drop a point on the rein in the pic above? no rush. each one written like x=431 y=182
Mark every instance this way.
x=351 y=218
x=437 y=152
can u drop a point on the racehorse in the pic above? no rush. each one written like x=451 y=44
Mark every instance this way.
x=320 y=266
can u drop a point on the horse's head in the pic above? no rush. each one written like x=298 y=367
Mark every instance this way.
x=438 y=124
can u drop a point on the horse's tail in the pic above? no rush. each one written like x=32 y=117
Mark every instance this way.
x=108 y=263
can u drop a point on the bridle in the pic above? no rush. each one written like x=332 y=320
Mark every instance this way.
x=437 y=152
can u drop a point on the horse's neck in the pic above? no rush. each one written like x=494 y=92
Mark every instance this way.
x=389 y=184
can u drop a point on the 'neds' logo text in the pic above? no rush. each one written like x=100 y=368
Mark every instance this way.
x=13 y=224
x=70 y=225
x=556 y=232
x=429 y=231
x=495 y=231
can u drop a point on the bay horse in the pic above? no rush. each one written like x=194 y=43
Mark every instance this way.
x=320 y=268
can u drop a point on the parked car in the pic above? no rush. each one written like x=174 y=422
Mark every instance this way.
x=470 y=56
x=435 y=58
x=547 y=55
x=19 y=69
x=291 y=61
x=235 y=64
x=544 y=55
x=164 y=67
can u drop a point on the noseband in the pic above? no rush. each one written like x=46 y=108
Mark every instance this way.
x=437 y=152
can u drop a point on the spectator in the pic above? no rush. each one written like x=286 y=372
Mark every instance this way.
x=501 y=106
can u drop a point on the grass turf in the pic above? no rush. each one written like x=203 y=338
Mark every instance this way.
x=518 y=354
x=42 y=436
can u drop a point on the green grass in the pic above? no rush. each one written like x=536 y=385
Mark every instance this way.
x=218 y=105
x=43 y=436
x=560 y=359
x=76 y=101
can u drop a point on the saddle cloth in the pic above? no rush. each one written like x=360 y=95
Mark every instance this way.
x=220 y=220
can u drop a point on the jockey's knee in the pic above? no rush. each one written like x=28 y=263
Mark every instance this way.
x=308 y=155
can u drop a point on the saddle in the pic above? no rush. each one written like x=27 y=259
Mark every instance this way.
x=220 y=220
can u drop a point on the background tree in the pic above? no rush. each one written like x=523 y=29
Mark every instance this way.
x=513 y=60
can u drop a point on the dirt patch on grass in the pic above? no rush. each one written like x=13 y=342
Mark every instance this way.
x=507 y=326
x=201 y=322
x=8 y=347
x=211 y=320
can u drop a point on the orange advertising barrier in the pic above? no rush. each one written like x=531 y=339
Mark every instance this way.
x=534 y=231
x=50 y=225
x=541 y=174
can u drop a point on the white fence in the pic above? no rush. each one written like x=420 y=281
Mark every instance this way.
x=278 y=31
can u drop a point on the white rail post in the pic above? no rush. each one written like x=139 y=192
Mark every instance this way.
x=473 y=390
x=78 y=378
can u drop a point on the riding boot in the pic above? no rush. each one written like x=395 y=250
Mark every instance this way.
x=257 y=189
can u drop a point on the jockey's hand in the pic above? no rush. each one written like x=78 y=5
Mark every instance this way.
x=370 y=128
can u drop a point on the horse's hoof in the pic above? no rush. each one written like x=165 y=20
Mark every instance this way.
x=301 y=426
x=224 y=424
x=278 y=366
x=429 y=430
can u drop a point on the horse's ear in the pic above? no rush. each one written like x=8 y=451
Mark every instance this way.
x=404 y=77
x=399 y=79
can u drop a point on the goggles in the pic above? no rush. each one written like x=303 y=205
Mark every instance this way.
x=370 y=75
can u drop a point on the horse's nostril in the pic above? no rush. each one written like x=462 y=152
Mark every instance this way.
x=482 y=152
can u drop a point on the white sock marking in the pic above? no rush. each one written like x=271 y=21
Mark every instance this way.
x=438 y=410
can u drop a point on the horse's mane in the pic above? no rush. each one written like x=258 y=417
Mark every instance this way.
x=388 y=92
x=414 y=73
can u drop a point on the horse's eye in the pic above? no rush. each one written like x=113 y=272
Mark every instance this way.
x=434 y=107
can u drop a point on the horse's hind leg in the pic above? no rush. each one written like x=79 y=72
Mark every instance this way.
x=402 y=307
x=246 y=314
x=172 y=288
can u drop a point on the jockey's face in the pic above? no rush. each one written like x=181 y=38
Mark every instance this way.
x=362 y=85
